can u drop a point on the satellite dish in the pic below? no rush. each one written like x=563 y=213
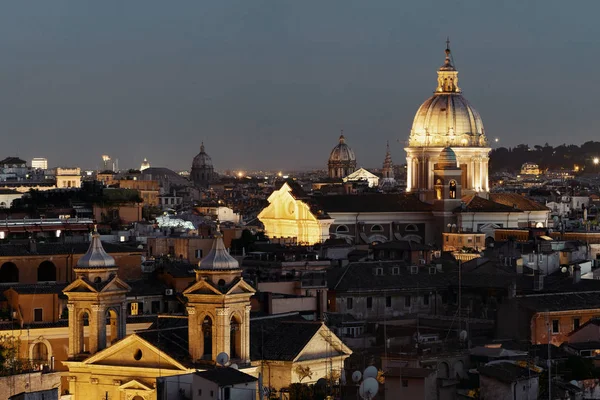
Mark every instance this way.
x=463 y=336
x=368 y=388
x=370 y=372
x=343 y=377
x=356 y=376
x=563 y=270
x=222 y=359
x=234 y=366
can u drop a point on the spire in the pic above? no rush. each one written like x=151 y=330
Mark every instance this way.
x=447 y=74
x=342 y=138
x=202 y=147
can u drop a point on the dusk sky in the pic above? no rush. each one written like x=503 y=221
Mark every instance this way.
x=269 y=84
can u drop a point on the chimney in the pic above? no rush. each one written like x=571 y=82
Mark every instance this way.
x=576 y=274
x=32 y=246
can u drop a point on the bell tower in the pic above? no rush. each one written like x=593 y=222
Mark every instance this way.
x=447 y=189
x=218 y=307
x=97 y=294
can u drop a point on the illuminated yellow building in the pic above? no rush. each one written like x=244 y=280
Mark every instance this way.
x=289 y=216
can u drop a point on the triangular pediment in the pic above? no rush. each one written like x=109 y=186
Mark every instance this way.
x=135 y=385
x=241 y=287
x=116 y=285
x=79 y=285
x=133 y=351
x=202 y=287
x=323 y=344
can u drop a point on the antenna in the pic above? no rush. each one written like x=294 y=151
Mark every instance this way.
x=222 y=359
x=368 y=388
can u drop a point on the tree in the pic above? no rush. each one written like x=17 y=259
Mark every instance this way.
x=303 y=372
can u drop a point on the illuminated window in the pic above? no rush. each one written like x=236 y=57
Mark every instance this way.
x=452 y=191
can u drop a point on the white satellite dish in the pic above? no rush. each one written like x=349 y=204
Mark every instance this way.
x=563 y=270
x=234 y=366
x=370 y=372
x=356 y=376
x=222 y=359
x=368 y=388
x=463 y=336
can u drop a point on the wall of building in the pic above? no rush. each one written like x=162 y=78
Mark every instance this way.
x=128 y=213
x=177 y=247
x=379 y=309
x=11 y=385
x=539 y=327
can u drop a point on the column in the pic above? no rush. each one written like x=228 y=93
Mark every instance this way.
x=97 y=328
x=223 y=332
x=74 y=345
x=123 y=321
x=245 y=332
x=195 y=336
x=409 y=174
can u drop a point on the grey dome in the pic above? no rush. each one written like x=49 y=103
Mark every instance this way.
x=342 y=152
x=202 y=159
x=96 y=257
x=218 y=258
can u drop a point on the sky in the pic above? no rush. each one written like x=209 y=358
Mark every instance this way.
x=269 y=84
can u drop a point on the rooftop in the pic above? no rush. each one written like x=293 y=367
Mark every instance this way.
x=226 y=376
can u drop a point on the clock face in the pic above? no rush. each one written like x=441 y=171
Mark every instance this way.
x=291 y=207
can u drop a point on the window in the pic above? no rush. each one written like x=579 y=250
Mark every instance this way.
x=199 y=392
x=341 y=229
x=585 y=353
x=452 y=188
x=155 y=306
x=576 y=322
x=388 y=301
x=37 y=315
x=411 y=228
x=425 y=299
x=555 y=326
x=378 y=271
x=369 y=302
x=227 y=393
x=531 y=258
x=198 y=253
x=395 y=270
x=406 y=301
x=212 y=393
x=404 y=382
x=349 y=303
x=377 y=228
x=134 y=308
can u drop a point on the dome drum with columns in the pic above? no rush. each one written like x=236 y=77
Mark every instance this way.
x=447 y=119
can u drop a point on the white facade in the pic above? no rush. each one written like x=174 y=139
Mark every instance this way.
x=39 y=163
x=195 y=387
x=363 y=175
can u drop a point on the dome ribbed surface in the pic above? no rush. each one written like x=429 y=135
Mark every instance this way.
x=342 y=152
x=202 y=159
x=96 y=257
x=218 y=258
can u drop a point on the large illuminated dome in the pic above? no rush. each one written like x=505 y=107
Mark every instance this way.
x=447 y=120
x=342 y=161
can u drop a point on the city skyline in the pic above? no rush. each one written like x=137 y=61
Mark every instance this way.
x=270 y=87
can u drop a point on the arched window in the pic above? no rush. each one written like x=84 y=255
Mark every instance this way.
x=83 y=320
x=342 y=229
x=235 y=338
x=39 y=353
x=377 y=228
x=208 y=334
x=9 y=273
x=411 y=228
x=452 y=189
x=113 y=322
x=46 y=272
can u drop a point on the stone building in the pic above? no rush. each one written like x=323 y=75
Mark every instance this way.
x=203 y=172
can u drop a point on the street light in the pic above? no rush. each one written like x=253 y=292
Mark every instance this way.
x=596 y=160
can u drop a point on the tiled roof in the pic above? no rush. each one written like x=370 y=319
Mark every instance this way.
x=226 y=376
x=60 y=248
x=12 y=160
x=373 y=202
x=507 y=372
x=475 y=203
x=561 y=301
x=146 y=287
x=280 y=339
x=518 y=201
x=360 y=276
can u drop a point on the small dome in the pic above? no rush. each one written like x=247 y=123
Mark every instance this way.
x=96 y=257
x=342 y=152
x=218 y=258
x=145 y=165
x=202 y=160
x=447 y=159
